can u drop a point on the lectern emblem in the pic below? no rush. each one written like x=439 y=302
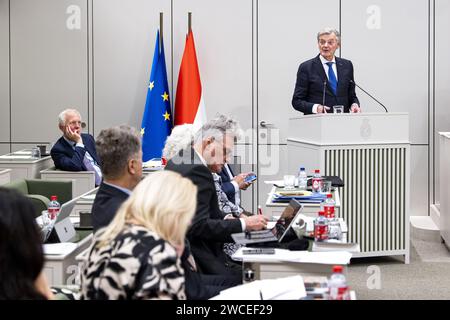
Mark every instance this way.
x=366 y=129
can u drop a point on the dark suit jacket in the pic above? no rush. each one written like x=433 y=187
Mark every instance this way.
x=310 y=86
x=69 y=159
x=227 y=186
x=106 y=203
x=208 y=231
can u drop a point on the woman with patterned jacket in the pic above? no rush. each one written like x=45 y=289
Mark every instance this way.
x=138 y=255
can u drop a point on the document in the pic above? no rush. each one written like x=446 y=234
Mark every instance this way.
x=63 y=248
x=283 y=255
x=335 y=245
x=287 y=288
x=16 y=157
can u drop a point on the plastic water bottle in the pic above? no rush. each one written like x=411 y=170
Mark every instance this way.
x=337 y=285
x=317 y=181
x=321 y=227
x=53 y=207
x=334 y=229
x=328 y=206
x=302 y=179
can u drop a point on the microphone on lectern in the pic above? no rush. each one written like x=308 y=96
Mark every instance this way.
x=351 y=81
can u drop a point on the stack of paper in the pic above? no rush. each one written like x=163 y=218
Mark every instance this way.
x=335 y=245
x=288 y=288
x=332 y=258
x=63 y=248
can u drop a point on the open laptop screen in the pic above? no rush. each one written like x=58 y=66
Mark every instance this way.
x=287 y=218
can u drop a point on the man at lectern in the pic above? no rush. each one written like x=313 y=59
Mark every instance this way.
x=325 y=81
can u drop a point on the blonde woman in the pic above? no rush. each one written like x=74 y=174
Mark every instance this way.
x=138 y=255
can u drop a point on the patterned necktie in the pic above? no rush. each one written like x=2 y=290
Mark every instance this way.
x=332 y=77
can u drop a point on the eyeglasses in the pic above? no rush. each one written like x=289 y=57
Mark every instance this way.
x=330 y=42
x=72 y=123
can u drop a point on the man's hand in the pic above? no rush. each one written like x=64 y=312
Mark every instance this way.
x=72 y=135
x=240 y=180
x=322 y=109
x=355 y=108
x=255 y=222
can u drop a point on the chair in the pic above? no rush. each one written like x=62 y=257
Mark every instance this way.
x=40 y=191
x=83 y=181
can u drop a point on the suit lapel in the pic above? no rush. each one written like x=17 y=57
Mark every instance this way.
x=340 y=70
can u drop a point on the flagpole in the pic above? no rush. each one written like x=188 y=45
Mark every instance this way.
x=189 y=22
x=160 y=28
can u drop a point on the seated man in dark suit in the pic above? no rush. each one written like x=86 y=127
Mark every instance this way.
x=75 y=151
x=120 y=149
x=209 y=230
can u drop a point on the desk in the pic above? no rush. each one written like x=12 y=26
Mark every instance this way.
x=5 y=176
x=23 y=165
x=63 y=269
x=286 y=263
x=309 y=209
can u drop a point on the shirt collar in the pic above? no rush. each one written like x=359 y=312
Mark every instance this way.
x=70 y=142
x=324 y=61
x=201 y=158
x=127 y=191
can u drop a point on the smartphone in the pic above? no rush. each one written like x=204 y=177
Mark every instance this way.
x=250 y=178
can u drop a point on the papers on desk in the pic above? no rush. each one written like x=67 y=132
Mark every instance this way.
x=279 y=183
x=288 y=288
x=23 y=152
x=89 y=197
x=335 y=245
x=154 y=163
x=15 y=157
x=283 y=255
x=63 y=248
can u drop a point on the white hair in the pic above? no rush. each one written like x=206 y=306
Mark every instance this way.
x=182 y=137
x=62 y=116
x=217 y=128
x=329 y=31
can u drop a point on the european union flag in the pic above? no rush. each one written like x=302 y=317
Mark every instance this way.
x=157 y=119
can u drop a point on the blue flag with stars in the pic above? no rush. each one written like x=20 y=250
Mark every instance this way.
x=157 y=119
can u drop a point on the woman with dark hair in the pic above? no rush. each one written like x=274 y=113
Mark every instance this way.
x=21 y=253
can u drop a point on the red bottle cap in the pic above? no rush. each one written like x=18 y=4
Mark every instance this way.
x=321 y=213
x=329 y=195
x=338 y=269
x=317 y=171
x=53 y=198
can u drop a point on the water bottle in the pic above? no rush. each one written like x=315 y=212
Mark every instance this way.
x=337 y=285
x=302 y=179
x=334 y=229
x=53 y=207
x=321 y=227
x=317 y=181
x=328 y=206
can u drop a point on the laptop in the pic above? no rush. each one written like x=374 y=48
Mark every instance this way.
x=278 y=232
x=61 y=229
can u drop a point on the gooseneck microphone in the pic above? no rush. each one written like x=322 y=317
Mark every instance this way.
x=323 y=94
x=351 y=81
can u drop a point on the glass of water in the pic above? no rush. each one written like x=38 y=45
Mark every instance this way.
x=338 y=109
x=289 y=182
